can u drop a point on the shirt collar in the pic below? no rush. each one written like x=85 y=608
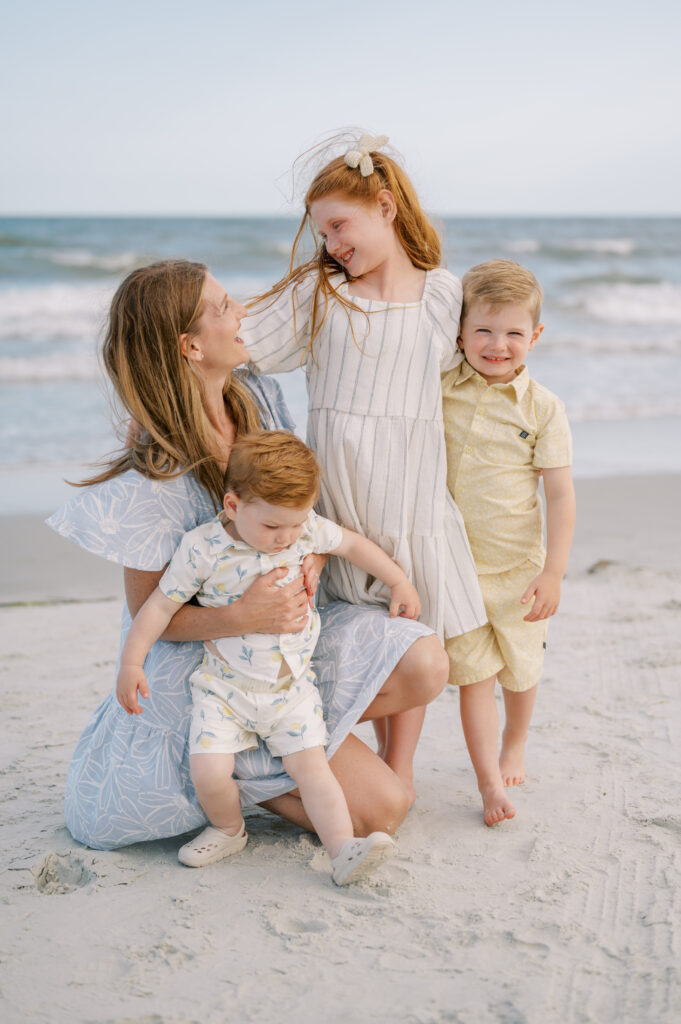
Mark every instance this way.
x=228 y=540
x=519 y=384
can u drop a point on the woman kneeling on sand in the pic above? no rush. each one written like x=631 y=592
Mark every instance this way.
x=172 y=351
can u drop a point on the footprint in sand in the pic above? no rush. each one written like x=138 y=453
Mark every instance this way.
x=60 y=873
x=288 y=926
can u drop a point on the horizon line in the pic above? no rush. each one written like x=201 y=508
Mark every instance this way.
x=275 y=215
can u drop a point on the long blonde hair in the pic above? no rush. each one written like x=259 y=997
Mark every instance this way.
x=157 y=388
x=416 y=234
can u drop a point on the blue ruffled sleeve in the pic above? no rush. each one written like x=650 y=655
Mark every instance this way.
x=138 y=522
x=132 y=520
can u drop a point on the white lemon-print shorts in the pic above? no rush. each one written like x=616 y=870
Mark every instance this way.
x=231 y=711
x=506 y=647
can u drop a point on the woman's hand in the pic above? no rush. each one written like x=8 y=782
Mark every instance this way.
x=263 y=608
x=312 y=570
x=268 y=608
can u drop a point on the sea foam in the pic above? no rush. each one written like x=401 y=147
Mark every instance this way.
x=84 y=259
x=620 y=303
x=53 y=311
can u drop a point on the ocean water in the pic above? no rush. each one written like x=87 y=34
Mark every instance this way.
x=611 y=348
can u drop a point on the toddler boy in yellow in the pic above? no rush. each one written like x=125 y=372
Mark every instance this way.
x=503 y=430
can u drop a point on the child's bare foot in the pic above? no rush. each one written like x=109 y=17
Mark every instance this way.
x=496 y=805
x=512 y=762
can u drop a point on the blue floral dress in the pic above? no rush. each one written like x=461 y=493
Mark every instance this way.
x=129 y=776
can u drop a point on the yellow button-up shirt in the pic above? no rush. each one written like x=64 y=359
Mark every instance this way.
x=498 y=437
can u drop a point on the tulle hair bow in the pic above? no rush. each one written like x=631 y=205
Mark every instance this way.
x=361 y=157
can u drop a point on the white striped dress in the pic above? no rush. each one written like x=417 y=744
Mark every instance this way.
x=375 y=422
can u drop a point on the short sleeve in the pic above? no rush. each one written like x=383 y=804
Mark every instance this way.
x=277 y=331
x=132 y=520
x=553 y=445
x=325 y=535
x=188 y=570
x=444 y=297
x=138 y=522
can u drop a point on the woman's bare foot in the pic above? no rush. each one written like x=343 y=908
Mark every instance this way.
x=496 y=804
x=512 y=762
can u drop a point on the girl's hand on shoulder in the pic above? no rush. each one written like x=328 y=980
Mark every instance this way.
x=545 y=589
x=268 y=608
x=131 y=680
x=404 y=600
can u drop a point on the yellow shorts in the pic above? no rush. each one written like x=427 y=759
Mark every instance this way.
x=506 y=646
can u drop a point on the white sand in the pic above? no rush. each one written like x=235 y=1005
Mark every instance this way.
x=569 y=913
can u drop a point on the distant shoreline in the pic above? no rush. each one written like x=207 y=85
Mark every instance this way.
x=603 y=449
x=42 y=567
x=294 y=217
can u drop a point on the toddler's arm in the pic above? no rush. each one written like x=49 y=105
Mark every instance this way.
x=366 y=555
x=560 y=524
x=147 y=626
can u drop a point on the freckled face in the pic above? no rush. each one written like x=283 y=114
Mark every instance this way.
x=265 y=527
x=496 y=341
x=358 y=236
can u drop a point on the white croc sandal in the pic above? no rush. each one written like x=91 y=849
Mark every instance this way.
x=211 y=845
x=359 y=857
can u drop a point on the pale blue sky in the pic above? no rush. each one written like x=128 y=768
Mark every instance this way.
x=156 y=106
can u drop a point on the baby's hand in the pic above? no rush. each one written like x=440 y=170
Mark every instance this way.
x=404 y=600
x=545 y=588
x=312 y=570
x=131 y=678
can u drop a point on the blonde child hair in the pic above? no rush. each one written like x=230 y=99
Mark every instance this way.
x=501 y=283
x=416 y=234
x=273 y=466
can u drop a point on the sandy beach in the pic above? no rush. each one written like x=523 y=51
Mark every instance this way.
x=569 y=913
